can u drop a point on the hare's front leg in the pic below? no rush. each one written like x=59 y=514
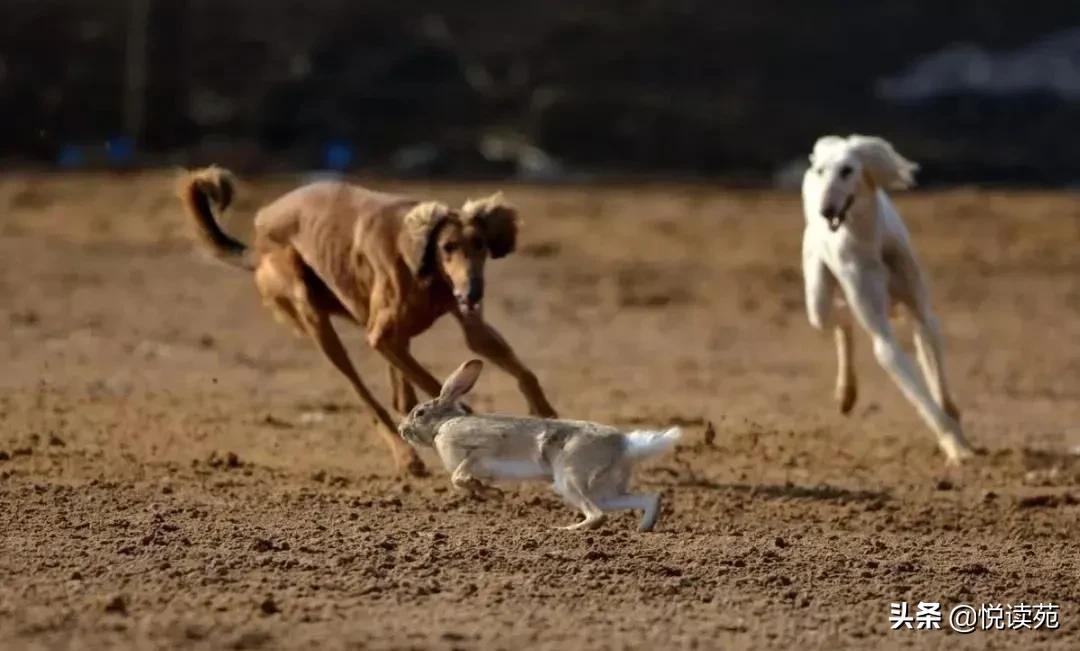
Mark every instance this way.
x=463 y=479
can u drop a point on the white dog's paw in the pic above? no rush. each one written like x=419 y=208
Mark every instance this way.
x=956 y=449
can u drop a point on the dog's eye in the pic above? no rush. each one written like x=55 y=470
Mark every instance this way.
x=845 y=171
x=450 y=247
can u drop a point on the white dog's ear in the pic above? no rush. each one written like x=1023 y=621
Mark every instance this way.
x=824 y=144
x=886 y=167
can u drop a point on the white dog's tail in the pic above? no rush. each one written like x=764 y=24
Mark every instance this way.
x=643 y=444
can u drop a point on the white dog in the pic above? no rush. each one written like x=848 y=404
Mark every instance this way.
x=854 y=239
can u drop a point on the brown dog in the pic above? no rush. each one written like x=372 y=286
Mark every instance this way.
x=389 y=263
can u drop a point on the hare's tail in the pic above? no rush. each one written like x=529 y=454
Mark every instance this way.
x=643 y=444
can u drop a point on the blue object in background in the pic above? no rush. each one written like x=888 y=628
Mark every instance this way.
x=339 y=155
x=70 y=157
x=120 y=150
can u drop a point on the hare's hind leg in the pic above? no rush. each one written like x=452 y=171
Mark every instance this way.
x=609 y=490
x=594 y=516
x=568 y=485
x=648 y=504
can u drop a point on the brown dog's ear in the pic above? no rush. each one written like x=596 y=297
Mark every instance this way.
x=497 y=219
x=417 y=239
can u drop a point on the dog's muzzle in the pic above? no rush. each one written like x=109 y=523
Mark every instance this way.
x=468 y=307
x=469 y=300
x=836 y=216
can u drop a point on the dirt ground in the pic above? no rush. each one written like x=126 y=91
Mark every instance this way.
x=179 y=471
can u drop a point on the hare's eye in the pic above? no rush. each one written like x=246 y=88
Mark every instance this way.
x=420 y=412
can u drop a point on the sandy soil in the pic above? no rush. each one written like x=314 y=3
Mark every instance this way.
x=179 y=471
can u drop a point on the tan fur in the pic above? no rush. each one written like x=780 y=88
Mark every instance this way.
x=200 y=191
x=389 y=263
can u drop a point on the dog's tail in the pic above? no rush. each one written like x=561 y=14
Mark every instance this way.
x=202 y=192
x=643 y=444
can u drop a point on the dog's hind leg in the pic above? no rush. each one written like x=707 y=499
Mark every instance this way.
x=868 y=297
x=928 y=350
x=322 y=332
x=274 y=279
x=910 y=290
x=281 y=281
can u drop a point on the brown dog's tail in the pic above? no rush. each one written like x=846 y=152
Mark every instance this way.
x=203 y=191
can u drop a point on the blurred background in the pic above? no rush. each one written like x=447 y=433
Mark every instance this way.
x=985 y=91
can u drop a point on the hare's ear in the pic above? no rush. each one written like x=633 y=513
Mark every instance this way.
x=497 y=219
x=417 y=240
x=462 y=380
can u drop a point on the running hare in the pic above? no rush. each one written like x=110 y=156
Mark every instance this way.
x=588 y=464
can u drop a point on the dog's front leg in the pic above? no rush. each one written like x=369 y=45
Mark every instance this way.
x=396 y=352
x=486 y=341
x=820 y=286
x=404 y=394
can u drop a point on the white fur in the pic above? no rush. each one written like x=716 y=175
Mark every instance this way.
x=642 y=444
x=866 y=253
x=513 y=469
